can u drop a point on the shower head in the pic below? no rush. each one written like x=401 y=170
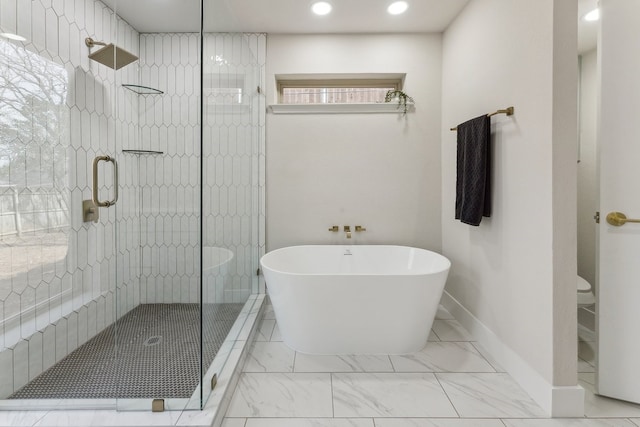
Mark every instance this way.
x=110 y=55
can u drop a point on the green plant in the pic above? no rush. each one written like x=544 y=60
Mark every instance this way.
x=403 y=99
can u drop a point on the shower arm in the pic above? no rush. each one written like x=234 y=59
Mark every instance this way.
x=91 y=42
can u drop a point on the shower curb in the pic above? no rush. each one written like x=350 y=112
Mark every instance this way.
x=216 y=407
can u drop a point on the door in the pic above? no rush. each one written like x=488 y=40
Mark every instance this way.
x=618 y=291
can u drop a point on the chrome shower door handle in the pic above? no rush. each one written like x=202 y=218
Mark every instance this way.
x=94 y=194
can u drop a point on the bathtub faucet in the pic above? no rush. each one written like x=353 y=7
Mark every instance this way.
x=347 y=229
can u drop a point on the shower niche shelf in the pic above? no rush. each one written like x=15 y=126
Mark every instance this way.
x=142 y=90
x=142 y=152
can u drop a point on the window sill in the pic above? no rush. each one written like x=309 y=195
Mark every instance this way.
x=385 y=108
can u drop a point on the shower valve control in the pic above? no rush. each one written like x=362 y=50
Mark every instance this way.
x=90 y=211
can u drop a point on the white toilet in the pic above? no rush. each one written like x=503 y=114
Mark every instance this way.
x=585 y=293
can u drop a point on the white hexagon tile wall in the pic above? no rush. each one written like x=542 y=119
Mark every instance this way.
x=68 y=265
x=63 y=280
x=233 y=136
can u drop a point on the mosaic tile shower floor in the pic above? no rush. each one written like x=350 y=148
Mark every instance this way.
x=152 y=351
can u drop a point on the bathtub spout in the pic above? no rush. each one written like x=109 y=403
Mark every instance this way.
x=347 y=229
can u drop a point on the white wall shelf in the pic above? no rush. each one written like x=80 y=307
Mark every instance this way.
x=142 y=90
x=386 y=108
x=141 y=152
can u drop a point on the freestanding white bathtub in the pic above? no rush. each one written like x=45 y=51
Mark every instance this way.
x=355 y=299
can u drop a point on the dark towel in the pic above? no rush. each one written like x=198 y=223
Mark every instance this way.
x=473 y=191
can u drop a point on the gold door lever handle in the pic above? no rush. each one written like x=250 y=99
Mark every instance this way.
x=618 y=219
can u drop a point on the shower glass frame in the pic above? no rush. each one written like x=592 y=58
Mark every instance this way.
x=232 y=111
x=233 y=280
x=119 y=238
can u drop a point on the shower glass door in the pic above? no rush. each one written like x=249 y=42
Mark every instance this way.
x=157 y=145
x=233 y=117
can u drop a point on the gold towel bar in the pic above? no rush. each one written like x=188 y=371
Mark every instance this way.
x=508 y=111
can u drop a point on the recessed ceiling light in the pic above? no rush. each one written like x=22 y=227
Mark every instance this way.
x=398 y=7
x=12 y=36
x=321 y=8
x=594 y=15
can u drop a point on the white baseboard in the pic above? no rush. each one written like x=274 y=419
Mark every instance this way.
x=556 y=401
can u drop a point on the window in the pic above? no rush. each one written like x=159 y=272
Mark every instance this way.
x=335 y=93
x=34 y=188
x=336 y=90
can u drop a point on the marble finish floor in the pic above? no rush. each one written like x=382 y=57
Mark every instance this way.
x=452 y=382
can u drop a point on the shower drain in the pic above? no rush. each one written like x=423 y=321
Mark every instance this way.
x=151 y=341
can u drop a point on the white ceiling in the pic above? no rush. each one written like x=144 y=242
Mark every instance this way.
x=159 y=16
x=285 y=16
x=294 y=16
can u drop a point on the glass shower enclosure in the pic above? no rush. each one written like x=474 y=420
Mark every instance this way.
x=130 y=194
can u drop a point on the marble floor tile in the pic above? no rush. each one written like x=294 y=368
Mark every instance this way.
x=587 y=377
x=488 y=395
x=596 y=406
x=310 y=422
x=636 y=421
x=269 y=314
x=355 y=363
x=587 y=351
x=276 y=336
x=269 y=357
x=488 y=357
x=234 y=422
x=389 y=395
x=584 y=366
x=108 y=418
x=426 y=422
x=585 y=334
x=20 y=418
x=443 y=357
x=569 y=422
x=282 y=395
x=450 y=330
x=433 y=336
x=265 y=330
x=443 y=314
